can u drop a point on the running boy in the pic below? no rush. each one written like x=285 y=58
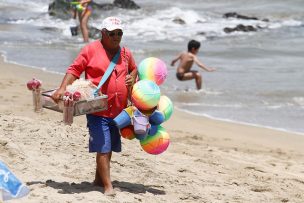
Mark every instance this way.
x=187 y=59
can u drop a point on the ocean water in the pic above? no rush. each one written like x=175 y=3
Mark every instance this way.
x=260 y=75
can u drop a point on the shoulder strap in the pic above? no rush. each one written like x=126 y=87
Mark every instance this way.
x=108 y=72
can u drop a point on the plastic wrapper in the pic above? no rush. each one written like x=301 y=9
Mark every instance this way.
x=84 y=87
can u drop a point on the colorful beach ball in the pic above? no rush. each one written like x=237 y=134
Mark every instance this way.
x=127 y=132
x=157 y=143
x=152 y=69
x=145 y=94
x=165 y=106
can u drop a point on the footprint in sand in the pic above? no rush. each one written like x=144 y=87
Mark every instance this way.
x=260 y=189
x=254 y=168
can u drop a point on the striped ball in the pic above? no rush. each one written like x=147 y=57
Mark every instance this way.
x=156 y=144
x=145 y=95
x=165 y=106
x=152 y=69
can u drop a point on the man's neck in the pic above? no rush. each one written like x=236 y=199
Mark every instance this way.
x=108 y=49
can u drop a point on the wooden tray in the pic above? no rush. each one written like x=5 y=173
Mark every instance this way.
x=81 y=107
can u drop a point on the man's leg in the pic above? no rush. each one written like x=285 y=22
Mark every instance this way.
x=97 y=180
x=103 y=169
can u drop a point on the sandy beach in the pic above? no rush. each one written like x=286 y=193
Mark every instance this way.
x=207 y=160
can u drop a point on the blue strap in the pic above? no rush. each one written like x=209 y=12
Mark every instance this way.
x=108 y=72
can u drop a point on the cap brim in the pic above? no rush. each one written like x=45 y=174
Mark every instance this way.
x=111 y=28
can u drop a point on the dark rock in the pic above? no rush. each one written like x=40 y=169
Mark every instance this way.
x=127 y=4
x=245 y=28
x=265 y=20
x=236 y=15
x=199 y=21
x=60 y=9
x=179 y=21
x=201 y=33
x=240 y=28
x=97 y=8
x=94 y=33
x=229 y=30
x=49 y=29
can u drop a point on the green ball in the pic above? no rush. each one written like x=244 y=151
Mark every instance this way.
x=165 y=106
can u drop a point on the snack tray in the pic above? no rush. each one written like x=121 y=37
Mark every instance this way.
x=81 y=107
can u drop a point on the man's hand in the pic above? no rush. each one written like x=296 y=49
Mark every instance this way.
x=68 y=79
x=57 y=95
x=129 y=80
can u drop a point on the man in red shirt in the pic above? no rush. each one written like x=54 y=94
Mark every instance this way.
x=94 y=60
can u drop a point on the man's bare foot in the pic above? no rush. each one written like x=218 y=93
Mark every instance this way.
x=109 y=192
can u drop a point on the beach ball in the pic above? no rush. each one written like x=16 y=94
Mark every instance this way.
x=145 y=94
x=157 y=143
x=127 y=132
x=152 y=69
x=165 y=106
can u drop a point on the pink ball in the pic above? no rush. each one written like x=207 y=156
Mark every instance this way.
x=152 y=69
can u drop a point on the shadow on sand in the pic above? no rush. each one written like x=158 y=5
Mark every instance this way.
x=83 y=187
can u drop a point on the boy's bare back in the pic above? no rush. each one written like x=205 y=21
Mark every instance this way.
x=186 y=62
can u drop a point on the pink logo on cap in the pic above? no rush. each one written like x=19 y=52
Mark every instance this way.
x=115 y=21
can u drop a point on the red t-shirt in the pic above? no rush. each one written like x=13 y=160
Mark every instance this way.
x=94 y=61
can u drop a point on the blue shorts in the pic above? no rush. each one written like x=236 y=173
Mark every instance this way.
x=104 y=135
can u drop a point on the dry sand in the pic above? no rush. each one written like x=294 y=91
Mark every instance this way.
x=207 y=160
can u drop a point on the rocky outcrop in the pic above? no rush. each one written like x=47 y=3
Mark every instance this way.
x=236 y=15
x=240 y=28
x=61 y=9
x=179 y=21
x=127 y=4
x=94 y=33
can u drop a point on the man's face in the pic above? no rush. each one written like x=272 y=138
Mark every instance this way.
x=113 y=38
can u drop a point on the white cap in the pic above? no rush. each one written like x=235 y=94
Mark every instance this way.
x=112 y=23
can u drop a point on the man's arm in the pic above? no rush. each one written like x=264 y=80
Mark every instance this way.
x=67 y=80
x=176 y=59
x=202 y=66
